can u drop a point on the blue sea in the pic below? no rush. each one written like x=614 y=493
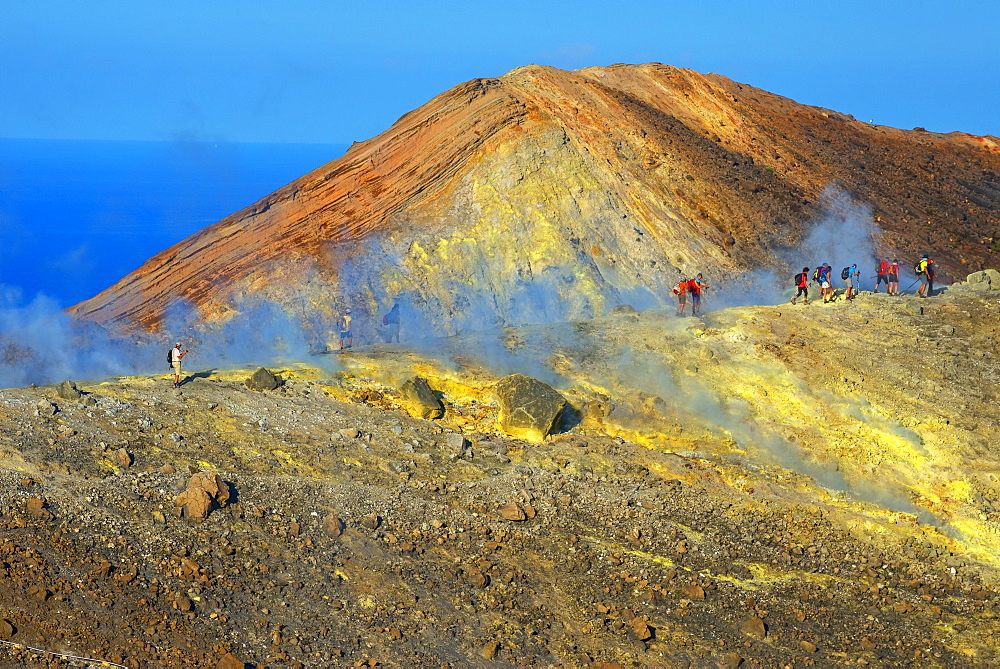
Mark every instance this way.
x=76 y=216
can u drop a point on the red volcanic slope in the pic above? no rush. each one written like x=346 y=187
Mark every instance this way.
x=738 y=165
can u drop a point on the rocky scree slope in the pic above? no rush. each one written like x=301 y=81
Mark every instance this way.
x=656 y=528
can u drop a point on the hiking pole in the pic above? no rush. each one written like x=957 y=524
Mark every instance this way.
x=912 y=284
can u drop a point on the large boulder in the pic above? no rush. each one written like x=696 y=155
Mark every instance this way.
x=988 y=279
x=205 y=491
x=68 y=391
x=263 y=379
x=529 y=409
x=419 y=400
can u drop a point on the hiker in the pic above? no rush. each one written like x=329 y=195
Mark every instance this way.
x=882 y=274
x=391 y=324
x=694 y=288
x=925 y=273
x=825 y=288
x=345 y=330
x=848 y=274
x=802 y=283
x=894 y=277
x=701 y=284
x=175 y=362
x=681 y=292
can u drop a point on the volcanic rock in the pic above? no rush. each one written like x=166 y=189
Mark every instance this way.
x=123 y=458
x=456 y=443
x=420 y=400
x=730 y=661
x=513 y=512
x=68 y=391
x=643 y=632
x=987 y=279
x=205 y=491
x=333 y=526
x=230 y=661
x=529 y=409
x=263 y=379
x=754 y=627
x=489 y=651
x=37 y=508
x=45 y=407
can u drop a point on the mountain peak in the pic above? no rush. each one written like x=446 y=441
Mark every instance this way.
x=594 y=186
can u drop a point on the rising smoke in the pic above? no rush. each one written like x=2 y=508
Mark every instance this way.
x=845 y=235
x=42 y=344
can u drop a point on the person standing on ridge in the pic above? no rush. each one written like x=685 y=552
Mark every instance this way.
x=391 y=323
x=925 y=272
x=825 y=288
x=894 y=277
x=849 y=274
x=700 y=280
x=882 y=274
x=681 y=292
x=176 y=354
x=802 y=283
x=695 y=289
x=345 y=330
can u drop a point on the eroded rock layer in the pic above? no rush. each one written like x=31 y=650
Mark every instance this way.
x=593 y=187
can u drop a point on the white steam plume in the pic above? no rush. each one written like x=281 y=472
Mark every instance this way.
x=42 y=344
x=845 y=235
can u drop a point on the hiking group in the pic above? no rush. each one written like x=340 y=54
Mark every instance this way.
x=885 y=272
x=693 y=287
x=390 y=327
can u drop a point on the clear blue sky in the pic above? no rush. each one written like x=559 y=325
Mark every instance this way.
x=336 y=72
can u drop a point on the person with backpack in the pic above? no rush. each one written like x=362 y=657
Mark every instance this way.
x=681 y=292
x=700 y=280
x=345 y=330
x=882 y=274
x=825 y=287
x=174 y=357
x=894 y=277
x=694 y=288
x=925 y=272
x=802 y=283
x=391 y=324
x=848 y=274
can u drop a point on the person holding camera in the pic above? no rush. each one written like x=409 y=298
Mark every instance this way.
x=175 y=361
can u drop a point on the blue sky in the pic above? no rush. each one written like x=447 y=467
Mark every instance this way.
x=336 y=72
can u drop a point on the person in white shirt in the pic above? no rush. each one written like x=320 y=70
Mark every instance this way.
x=175 y=361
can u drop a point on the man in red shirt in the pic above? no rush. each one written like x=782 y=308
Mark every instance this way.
x=894 y=277
x=882 y=275
x=802 y=283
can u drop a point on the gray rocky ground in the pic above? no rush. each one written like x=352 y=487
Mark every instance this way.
x=643 y=533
